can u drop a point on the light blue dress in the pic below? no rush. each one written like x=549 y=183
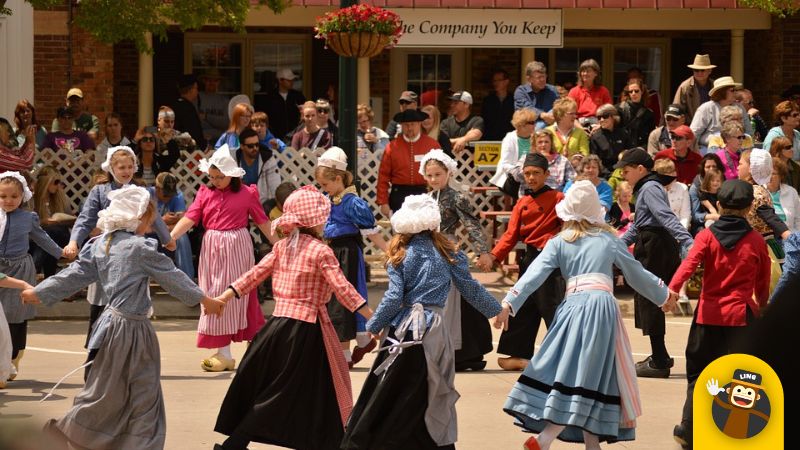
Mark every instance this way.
x=580 y=378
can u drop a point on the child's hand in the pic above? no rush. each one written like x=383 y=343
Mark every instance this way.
x=171 y=245
x=29 y=297
x=486 y=262
x=213 y=306
x=501 y=320
x=672 y=302
x=71 y=250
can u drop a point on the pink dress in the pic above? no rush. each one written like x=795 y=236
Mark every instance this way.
x=226 y=254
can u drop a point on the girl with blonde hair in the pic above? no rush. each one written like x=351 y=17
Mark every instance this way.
x=55 y=214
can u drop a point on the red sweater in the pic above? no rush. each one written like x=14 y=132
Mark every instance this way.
x=533 y=220
x=589 y=100
x=400 y=164
x=730 y=278
x=686 y=167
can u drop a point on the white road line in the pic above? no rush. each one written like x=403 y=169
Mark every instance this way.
x=50 y=350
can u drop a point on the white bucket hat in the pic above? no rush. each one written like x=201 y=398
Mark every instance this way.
x=439 y=155
x=106 y=165
x=581 y=203
x=334 y=157
x=723 y=82
x=760 y=166
x=222 y=160
x=419 y=213
x=127 y=206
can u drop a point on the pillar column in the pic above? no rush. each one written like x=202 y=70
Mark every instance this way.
x=145 y=109
x=737 y=55
x=526 y=56
x=363 y=81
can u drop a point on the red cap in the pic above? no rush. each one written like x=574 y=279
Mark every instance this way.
x=683 y=131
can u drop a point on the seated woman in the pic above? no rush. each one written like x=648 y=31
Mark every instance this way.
x=730 y=113
x=153 y=159
x=516 y=144
x=608 y=141
x=784 y=197
x=560 y=170
x=370 y=138
x=636 y=118
x=589 y=94
x=569 y=139
x=55 y=215
x=240 y=119
x=171 y=206
x=589 y=169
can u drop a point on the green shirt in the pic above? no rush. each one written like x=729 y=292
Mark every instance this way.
x=523 y=146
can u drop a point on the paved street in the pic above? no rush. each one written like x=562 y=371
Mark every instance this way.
x=193 y=397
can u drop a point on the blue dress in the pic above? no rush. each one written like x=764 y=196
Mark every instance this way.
x=583 y=376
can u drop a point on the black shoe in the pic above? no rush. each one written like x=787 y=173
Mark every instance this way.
x=682 y=436
x=646 y=369
x=474 y=365
x=668 y=365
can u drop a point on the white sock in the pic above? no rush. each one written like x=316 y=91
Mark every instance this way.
x=548 y=435
x=348 y=356
x=362 y=339
x=225 y=351
x=591 y=440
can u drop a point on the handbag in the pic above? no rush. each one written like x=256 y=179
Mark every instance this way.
x=511 y=186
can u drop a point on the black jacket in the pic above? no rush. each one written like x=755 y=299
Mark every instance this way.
x=188 y=120
x=162 y=161
x=638 y=120
x=283 y=114
x=607 y=145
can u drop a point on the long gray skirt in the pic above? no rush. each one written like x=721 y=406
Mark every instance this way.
x=21 y=268
x=121 y=406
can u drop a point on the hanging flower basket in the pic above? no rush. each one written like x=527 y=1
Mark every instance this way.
x=360 y=31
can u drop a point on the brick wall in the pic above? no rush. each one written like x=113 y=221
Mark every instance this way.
x=50 y=68
x=126 y=85
x=93 y=72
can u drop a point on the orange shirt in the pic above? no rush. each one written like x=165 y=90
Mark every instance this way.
x=400 y=164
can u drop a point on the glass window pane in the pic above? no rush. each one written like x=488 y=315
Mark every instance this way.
x=429 y=76
x=268 y=57
x=647 y=59
x=569 y=59
x=219 y=59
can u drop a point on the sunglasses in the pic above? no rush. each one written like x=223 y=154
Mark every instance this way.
x=532 y=122
x=675 y=137
x=741 y=138
x=795 y=114
x=251 y=145
x=323 y=111
x=405 y=102
x=604 y=116
x=634 y=91
x=147 y=139
x=787 y=147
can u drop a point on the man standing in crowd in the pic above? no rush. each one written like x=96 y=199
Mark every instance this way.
x=400 y=163
x=658 y=140
x=686 y=161
x=536 y=94
x=68 y=139
x=82 y=120
x=187 y=118
x=656 y=232
x=498 y=108
x=283 y=106
x=212 y=106
x=462 y=127
x=694 y=91
x=407 y=100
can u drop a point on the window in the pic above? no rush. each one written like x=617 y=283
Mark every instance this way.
x=222 y=60
x=429 y=75
x=569 y=59
x=268 y=58
x=648 y=59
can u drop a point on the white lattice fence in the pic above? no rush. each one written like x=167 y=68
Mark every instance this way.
x=296 y=166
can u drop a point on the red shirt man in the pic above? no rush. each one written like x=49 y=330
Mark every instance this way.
x=686 y=161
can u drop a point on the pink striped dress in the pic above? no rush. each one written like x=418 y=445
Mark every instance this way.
x=227 y=253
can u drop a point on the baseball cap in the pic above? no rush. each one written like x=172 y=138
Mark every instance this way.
x=635 y=157
x=683 y=131
x=64 y=111
x=75 y=92
x=408 y=96
x=285 y=73
x=462 y=96
x=675 y=110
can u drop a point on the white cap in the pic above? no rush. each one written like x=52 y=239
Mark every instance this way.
x=581 y=203
x=334 y=157
x=75 y=92
x=285 y=73
x=106 y=165
x=439 y=155
x=760 y=166
x=127 y=206
x=419 y=213
x=462 y=96
x=222 y=160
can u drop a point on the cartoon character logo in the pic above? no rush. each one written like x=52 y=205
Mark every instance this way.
x=740 y=409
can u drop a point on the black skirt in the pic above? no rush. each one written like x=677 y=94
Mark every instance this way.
x=349 y=254
x=659 y=253
x=390 y=411
x=476 y=335
x=283 y=392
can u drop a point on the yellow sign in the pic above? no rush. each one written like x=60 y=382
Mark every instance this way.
x=738 y=404
x=487 y=154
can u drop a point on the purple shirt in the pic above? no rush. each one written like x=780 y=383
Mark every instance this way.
x=77 y=140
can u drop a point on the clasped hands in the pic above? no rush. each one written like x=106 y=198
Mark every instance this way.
x=672 y=302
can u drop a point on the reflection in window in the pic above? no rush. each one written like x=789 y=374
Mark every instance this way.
x=268 y=57
x=569 y=59
x=430 y=76
x=222 y=60
x=647 y=59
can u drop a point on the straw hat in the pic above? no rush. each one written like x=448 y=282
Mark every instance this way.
x=701 y=62
x=722 y=83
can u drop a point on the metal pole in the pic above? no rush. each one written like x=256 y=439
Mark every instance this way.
x=347 y=106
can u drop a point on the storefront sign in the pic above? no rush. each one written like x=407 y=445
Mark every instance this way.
x=456 y=27
x=487 y=154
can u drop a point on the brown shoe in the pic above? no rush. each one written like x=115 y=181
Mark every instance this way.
x=512 y=363
x=359 y=352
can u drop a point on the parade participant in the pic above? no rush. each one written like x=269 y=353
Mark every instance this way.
x=121 y=404
x=296 y=358
x=657 y=232
x=18 y=227
x=224 y=209
x=350 y=219
x=735 y=288
x=533 y=221
x=400 y=163
x=7 y=369
x=408 y=400
x=437 y=168
x=120 y=165
x=581 y=384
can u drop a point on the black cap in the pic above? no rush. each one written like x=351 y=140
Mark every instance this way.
x=410 y=115
x=675 y=110
x=745 y=376
x=186 y=80
x=636 y=156
x=735 y=194
x=536 y=160
x=64 y=111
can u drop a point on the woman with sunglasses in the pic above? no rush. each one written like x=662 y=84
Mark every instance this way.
x=324 y=119
x=151 y=160
x=781 y=148
x=609 y=140
x=635 y=117
x=733 y=135
x=55 y=215
x=516 y=144
x=787 y=118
